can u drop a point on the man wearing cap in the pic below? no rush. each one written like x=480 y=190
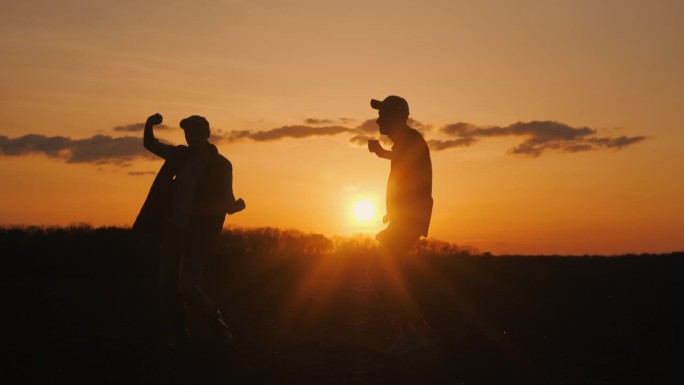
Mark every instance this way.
x=408 y=212
x=182 y=218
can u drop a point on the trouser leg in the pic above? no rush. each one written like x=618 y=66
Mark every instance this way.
x=190 y=276
x=172 y=310
x=199 y=301
x=386 y=273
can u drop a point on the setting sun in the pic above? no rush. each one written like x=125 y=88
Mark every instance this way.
x=364 y=210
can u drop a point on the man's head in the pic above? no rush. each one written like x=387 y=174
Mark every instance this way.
x=393 y=112
x=196 y=130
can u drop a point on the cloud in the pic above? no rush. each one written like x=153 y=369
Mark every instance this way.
x=53 y=147
x=318 y=121
x=541 y=136
x=315 y=121
x=137 y=127
x=141 y=173
x=418 y=125
x=439 y=145
x=230 y=136
x=360 y=134
x=105 y=149
x=99 y=149
x=538 y=136
x=293 y=132
x=297 y=132
x=344 y=120
x=619 y=142
x=368 y=127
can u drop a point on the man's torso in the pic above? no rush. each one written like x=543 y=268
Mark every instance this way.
x=409 y=187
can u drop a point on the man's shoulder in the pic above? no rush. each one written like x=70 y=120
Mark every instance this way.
x=225 y=161
x=179 y=149
x=415 y=138
x=222 y=161
x=415 y=134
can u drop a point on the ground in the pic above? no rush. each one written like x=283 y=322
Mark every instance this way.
x=78 y=305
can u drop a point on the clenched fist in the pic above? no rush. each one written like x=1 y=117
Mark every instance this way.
x=236 y=206
x=374 y=146
x=155 y=119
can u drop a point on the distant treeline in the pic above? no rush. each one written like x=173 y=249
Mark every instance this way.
x=260 y=240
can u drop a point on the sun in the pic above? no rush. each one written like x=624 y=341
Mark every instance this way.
x=364 y=210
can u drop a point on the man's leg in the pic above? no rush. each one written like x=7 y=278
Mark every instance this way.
x=190 y=276
x=171 y=307
x=386 y=273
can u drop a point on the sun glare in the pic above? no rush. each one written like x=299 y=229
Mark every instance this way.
x=364 y=210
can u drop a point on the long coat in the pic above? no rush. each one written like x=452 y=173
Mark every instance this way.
x=209 y=208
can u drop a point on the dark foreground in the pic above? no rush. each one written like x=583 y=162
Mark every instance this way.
x=77 y=304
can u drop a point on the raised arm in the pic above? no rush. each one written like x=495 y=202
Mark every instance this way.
x=153 y=144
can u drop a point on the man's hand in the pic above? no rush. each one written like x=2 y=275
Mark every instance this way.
x=374 y=146
x=155 y=119
x=236 y=206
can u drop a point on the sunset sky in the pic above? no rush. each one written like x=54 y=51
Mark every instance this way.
x=556 y=127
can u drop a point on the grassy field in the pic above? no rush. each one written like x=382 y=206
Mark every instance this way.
x=78 y=304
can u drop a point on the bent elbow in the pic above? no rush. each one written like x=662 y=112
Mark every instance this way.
x=148 y=143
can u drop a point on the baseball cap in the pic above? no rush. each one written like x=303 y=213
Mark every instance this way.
x=195 y=122
x=393 y=103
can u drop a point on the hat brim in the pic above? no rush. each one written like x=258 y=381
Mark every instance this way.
x=376 y=104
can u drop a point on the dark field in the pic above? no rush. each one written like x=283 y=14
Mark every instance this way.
x=77 y=304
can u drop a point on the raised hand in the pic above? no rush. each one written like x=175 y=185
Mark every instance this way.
x=155 y=119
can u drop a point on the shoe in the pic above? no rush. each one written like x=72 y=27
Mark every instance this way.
x=222 y=331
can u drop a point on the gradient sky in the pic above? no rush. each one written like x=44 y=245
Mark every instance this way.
x=556 y=126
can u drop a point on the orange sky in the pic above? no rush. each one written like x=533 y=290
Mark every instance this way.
x=600 y=171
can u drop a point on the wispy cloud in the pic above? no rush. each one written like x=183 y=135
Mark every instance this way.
x=297 y=132
x=315 y=121
x=540 y=137
x=284 y=132
x=358 y=135
x=439 y=144
x=137 y=127
x=141 y=173
x=98 y=149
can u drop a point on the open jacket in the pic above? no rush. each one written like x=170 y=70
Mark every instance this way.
x=210 y=201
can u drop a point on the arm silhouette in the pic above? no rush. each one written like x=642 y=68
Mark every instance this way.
x=232 y=205
x=153 y=144
x=374 y=146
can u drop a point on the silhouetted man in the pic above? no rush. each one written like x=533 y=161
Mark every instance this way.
x=408 y=208
x=183 y=216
